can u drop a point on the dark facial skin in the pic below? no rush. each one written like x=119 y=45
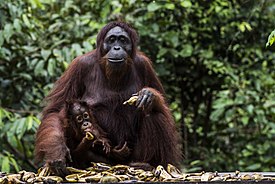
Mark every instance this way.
x=84 y=122
x=117 y=44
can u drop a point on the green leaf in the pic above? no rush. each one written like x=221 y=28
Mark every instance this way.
x=12 y=139
x=87 y=46
x=26 y=20
x=161 y=52
x=186 y=4
x=186 y=51
x=245 y=120
x=269 y=103
x=242 y=27
x=172 y=38
x=177 y=116
x=246 y=153
x=30 y=48
x=207 y=54
x=7 y=114
x=29 y=122
x=15 y=165
x=245 y=26
x=5 y=164
x=36 y=4
x=36 y=120
x=77 y=49
x=39 y=68
x=65 y=65
x=271 y=39
x=8 y=32
x=153 y=6
x=51 y=67
x=248 y=26
x=170 y=6
x=17 y=25
x=155 y=27
x=222 y=102
x=215 y=115
x=21 y=127
x=250 y=109
x=195 y=162
x=36 y=123
x=25 y=76
x=254 y=167
x=45 y=54
x=1 y=38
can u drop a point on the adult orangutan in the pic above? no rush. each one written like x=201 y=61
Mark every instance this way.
x=105 y=78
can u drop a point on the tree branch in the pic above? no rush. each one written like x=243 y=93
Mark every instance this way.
x=21 y=111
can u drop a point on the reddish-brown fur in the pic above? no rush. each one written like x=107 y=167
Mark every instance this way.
x=151 y=135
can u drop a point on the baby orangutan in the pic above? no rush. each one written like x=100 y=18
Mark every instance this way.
x=84 y=123
x=86 y=139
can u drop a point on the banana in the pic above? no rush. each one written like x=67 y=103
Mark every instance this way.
x=131 y=101
x=89 y=136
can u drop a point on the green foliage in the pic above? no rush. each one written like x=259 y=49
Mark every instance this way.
x=210 y=55
x=271 y=39
x=17 y=135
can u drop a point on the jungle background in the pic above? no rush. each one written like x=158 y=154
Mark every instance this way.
x=213 y=58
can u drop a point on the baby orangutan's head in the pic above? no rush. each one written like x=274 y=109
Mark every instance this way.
x=80 y=117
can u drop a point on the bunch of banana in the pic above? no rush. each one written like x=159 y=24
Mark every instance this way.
x=105 y=173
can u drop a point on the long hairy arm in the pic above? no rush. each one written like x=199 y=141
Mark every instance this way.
x=50 y=141
x=147 y=72
x=158 y=136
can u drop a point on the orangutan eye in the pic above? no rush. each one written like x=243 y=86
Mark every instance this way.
x=122 y=39
x=112 y=39
x=79 y=118
x=86 y=115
